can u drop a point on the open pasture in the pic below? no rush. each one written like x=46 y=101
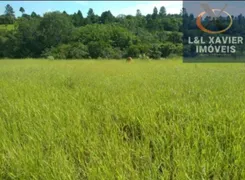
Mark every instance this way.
x=108 y=119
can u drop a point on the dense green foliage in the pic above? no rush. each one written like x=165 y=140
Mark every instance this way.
x=74 y=36
x=155 y=35
x=113 y=120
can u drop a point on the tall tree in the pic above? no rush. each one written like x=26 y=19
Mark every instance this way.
x=138 y=13
x=27 y=35
x=90 y=12
x=183 y=12
x=55 y=28
x=64 y=12
x=80 y=16
x=162 y=11
x=22 y=10
x=9 y=13
x=77 y=19
x=155 y=13
x=140 y=20
x=79 y=13
x=91 y=18
x=106 y=17
x=33 y=14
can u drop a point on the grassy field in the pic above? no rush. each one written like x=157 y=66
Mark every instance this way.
x=113 y=120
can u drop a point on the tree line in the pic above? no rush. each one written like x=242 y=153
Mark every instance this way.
x=73 y=36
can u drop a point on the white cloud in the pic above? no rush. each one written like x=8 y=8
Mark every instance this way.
x=172 y=7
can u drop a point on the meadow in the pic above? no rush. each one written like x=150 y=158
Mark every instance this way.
x=108 y=119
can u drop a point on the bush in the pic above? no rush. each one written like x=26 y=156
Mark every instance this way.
x=50 y=58
x=179 y=49
x=97 y=49
x=67 y=51
x=133 y=51
x=166 y=49
x=112 y=53
x=173 y=56
x=78 y=51
x=155 y=52
x=143 y=56
x=62 y=51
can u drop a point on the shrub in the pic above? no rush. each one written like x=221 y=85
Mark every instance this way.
x=134 y=51
x=67 y=51
x=97 y=48
x=179 y=49
x=50 y=58
x=166 y=49
x=112 y=53
x=143 y=56
x=155 y=52
x=173 y=56
x=78 y=51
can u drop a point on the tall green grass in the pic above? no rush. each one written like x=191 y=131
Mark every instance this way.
x=113 y=120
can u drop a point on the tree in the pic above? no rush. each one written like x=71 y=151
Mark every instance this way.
x=175 y=37
x=22 y=10
x=120 y=37
x=96 y=48
x=64 y=12
x=90 y=12
x=26 y=16
x=134 y=51
x=155 y=52
x=28 y=37
x=2 y=19
x=106 y=17
x=80 y=16
x=67 y=51
x=162 y=11
x=34 y=15
x=166 y=49
x=78 y=51
x=9 y=45
x=79 y=13
x=9 y=13
x=91 y=32
x=77 y=19
x=138 y=13
x=155 y=13
x=55 y=28
x=183 y=12
x=91 y=18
